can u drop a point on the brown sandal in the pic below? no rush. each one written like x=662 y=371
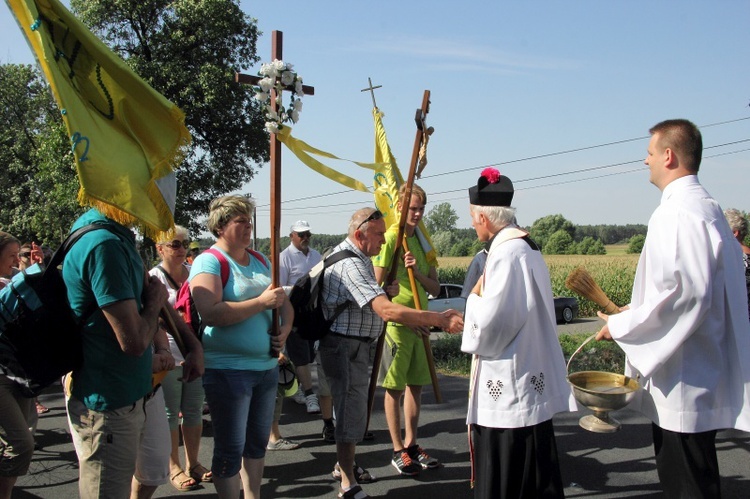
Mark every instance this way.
x=183 y=485
x=201 y=474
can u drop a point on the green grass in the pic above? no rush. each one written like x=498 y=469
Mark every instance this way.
x=596 y=356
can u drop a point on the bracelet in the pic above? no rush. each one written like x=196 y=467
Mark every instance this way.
x=163 y=350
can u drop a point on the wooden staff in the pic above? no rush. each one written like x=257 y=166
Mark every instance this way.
x=277 y=38
x=419 y=118
x=425 y=339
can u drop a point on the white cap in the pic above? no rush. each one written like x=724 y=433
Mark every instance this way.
x=301 y=226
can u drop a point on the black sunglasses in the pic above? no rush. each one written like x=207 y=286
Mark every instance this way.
x=303 y=234
x=375 y=215
x=177 y=244
x=25 y=254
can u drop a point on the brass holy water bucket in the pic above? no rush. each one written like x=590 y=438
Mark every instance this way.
x=602 y=392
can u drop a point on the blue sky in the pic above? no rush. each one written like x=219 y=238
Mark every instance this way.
x=513 y=84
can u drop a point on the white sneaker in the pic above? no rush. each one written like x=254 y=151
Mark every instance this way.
x=299 y=397
x=313 y=407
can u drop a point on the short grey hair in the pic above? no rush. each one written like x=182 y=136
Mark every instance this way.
x=498 y=216
x=737 y=222
x=358 y=217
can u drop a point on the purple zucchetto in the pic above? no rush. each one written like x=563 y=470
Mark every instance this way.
x=492 y=189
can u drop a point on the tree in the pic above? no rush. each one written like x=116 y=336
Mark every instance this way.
x=462 y=247
x=543 y=228
x=559 y=243
x=189 y=50
x=441 y=218
x=635 y=245
x=38 y=175
x=443 y=242
x=590 y=246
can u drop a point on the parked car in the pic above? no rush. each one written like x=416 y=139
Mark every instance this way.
x=449 y=297
x=566 y=308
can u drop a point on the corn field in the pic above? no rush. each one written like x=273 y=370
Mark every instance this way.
x=613 y=272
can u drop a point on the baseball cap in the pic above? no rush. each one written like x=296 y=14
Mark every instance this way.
x=301 y=226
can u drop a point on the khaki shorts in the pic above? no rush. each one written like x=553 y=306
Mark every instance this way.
x=17 y=414
x=107 y=447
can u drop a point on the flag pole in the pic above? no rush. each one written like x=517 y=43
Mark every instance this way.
x=421 y=114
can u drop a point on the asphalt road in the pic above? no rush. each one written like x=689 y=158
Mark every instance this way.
x=594 y=466
x=581 y=325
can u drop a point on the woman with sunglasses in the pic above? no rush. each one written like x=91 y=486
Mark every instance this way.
x=241 y=376
x=185 y=398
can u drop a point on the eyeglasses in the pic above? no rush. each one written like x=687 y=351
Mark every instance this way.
x=25 y=254
x=176 y=244
x=375 y=215
x=303 y=235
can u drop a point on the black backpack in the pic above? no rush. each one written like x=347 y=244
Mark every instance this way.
x=40 y=338
x=309 y=321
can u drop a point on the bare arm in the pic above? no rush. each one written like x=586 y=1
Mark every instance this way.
x=429 y=282
x=192 y=366
x=450 y=320
x=135 y=331
x=380 y=275
x=163 y=359
x=209 y=299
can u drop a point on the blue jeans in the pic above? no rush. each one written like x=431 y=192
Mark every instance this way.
x=241 y=404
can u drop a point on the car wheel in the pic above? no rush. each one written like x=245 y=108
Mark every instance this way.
x=567 y=314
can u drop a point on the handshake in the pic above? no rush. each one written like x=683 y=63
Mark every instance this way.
x=452 y=321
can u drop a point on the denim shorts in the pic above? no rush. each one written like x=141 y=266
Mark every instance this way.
x=183 y=398
x=346 y=362
x=241 y=404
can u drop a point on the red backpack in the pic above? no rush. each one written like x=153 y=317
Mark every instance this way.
x=184 y=303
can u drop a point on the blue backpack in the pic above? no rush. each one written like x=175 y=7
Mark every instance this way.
x=40 y=338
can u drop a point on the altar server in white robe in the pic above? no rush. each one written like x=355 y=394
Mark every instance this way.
x=685 y=332
x=518 y=374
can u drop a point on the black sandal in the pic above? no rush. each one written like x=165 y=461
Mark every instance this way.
x=355 y=492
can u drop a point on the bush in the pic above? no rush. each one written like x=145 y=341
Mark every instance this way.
x=451 y=275
x=560 y=243
x=590 y=246
x=449 y=359
x=635 y=245
x=596 y=356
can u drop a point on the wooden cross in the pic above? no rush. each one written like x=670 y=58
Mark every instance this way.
x=276 y=53
x=371 y=88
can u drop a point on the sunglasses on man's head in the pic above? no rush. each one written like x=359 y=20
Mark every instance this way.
x=178 y=244
x=375 y=215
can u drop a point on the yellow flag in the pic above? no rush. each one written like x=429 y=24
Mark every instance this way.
x=125 y=136
x=387 y=181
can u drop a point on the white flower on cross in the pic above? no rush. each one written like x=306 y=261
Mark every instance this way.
x=279 y=76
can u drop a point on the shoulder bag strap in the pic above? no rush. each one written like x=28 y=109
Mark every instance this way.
x=169 y=277
x=327 y=262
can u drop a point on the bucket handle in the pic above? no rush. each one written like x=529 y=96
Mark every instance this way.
x=567 y=367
